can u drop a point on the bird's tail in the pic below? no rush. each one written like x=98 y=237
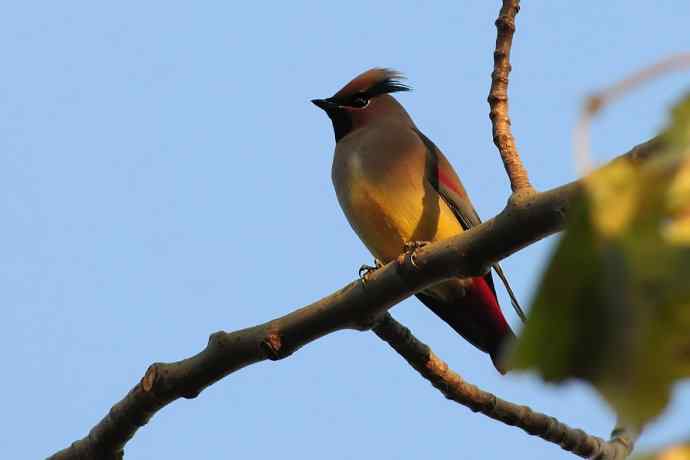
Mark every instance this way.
x=476 y=316
x=498 y=356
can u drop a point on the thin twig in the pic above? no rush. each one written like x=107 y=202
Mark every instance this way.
x=596 y=102
x=498 y=99
x=452 y=385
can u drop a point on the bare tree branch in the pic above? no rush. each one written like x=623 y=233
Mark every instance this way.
x=596 y=102
x=498 y=99
x=356 y=306
x=452 y=385
x=622 y=440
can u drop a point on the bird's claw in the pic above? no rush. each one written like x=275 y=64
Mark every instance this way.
x=365 y=270
x=410 y=247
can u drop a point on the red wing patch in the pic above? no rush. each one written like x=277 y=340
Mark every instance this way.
x=450 y=183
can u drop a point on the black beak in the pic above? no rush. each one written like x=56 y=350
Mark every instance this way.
x=324 y=104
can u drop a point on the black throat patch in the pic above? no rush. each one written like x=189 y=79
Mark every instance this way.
x=342 y=122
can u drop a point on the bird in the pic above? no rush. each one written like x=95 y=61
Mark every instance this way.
x=396 y=189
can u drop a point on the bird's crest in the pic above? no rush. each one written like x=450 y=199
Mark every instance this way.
x=374 y=82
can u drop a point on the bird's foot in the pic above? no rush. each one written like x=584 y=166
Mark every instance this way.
x=410 y=247
x=365 y=271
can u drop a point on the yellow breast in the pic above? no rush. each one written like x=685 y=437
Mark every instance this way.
x=386 y=198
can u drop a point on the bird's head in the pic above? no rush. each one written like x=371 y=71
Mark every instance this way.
x=366 y=98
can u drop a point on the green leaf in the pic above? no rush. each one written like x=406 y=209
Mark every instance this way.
x=674 y=452
x=677 y=133
x=613 y=306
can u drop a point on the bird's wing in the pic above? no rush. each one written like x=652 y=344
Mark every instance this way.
x=442 y=177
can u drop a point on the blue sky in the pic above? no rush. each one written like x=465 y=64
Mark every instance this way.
x=163 y=176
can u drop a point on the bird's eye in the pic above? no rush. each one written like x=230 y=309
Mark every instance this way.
x=360 y=101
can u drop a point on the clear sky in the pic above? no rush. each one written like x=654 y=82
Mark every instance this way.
x=163 y=176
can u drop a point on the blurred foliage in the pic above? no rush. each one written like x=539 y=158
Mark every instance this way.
x=675 y=452
x=613 y=306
